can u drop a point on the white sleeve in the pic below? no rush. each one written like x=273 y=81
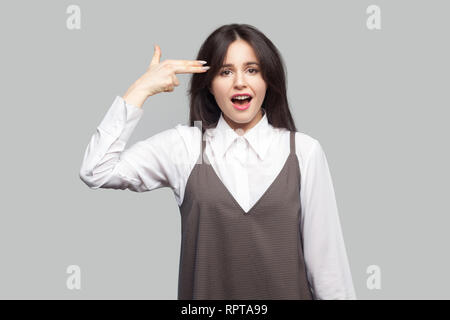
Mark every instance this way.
x=324 y=249
x=147 y=165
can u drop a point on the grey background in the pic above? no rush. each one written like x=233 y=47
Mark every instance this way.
x=376 y=100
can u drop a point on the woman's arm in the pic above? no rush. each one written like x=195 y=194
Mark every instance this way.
x=145 y=166
x=324 y=249
x=149 y=164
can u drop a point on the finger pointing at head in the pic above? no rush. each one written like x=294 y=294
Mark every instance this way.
x=189 y=67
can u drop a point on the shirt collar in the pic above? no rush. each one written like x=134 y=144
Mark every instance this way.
x=259 y=136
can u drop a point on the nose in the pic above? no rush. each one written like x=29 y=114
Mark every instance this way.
x=239 y=80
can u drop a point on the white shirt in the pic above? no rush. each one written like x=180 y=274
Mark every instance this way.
x=246 y=165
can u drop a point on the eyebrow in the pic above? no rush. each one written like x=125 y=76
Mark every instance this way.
x=247 y=63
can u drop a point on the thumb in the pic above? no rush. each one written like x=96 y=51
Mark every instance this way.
x=156 y=55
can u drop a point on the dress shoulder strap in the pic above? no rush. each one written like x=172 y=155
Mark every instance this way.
x=292 y=141
x=202 y=148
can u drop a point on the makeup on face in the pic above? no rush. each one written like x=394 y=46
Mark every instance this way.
x=238 y=86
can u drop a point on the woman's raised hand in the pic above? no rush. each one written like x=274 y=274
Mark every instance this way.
x=160 y=77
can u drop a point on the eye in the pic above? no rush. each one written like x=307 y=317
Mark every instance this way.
x=254 y=71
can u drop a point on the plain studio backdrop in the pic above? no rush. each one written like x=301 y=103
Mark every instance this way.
x=377 y=100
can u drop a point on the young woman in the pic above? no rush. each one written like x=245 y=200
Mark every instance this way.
x=258 y=210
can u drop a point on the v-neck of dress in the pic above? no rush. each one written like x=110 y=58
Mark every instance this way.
x=230 y=195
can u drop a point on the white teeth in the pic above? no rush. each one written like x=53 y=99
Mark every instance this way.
x=241 y=97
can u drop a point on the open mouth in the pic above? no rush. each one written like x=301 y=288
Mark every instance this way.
x=241 y=102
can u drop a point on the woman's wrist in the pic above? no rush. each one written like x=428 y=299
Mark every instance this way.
x=135 y=96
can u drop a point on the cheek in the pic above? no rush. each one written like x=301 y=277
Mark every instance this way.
x=221 y=91
x=261 y=89
x=216 y=85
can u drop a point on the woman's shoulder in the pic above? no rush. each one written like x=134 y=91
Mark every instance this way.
x=191 y=137
x=305 y=144
x=191 y=134
x=304 y=140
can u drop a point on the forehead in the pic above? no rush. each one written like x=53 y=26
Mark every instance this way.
x=240 y=53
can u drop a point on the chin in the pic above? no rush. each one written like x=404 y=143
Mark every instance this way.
x=242 y=117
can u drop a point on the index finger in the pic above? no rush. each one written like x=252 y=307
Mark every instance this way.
x=187 y=62
x=189 y=69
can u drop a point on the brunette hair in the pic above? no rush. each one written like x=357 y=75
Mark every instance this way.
x=203 y=106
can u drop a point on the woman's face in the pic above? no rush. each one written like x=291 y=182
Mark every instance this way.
x=240 y=74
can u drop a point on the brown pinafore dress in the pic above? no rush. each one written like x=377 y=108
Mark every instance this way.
x=227 y=253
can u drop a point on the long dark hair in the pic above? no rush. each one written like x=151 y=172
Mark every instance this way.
x=203 y=106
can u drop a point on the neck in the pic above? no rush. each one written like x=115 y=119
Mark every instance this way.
x=244 y=127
